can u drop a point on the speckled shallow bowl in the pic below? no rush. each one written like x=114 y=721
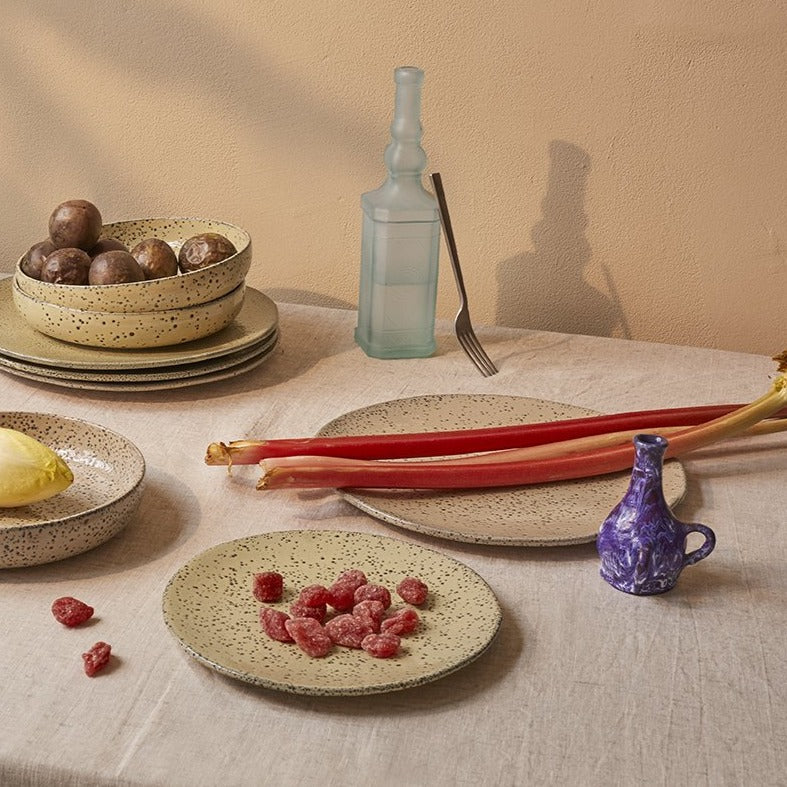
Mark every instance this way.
x=130 y=330
x=174 y=292
x=108 y=472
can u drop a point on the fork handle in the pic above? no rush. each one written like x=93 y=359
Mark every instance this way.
x=450 y=242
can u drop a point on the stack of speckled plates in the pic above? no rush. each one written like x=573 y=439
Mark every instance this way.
x=236 y=349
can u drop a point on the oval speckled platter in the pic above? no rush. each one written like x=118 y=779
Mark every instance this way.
x=108 y=473
x=257 y=319
x=209 y=607
x=567 y=512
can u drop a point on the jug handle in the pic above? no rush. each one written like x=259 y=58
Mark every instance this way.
x=706 y=548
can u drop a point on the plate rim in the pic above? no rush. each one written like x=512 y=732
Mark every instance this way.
x=227 y=373
x=141 y=375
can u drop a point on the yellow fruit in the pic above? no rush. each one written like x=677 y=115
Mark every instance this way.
x=29 y=470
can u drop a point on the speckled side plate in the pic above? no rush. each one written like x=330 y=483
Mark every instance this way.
x=257 y=319
x=209 y=608
x=108 y=472
x=566 y=512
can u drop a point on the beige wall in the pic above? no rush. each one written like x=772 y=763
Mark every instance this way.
x=613 y=167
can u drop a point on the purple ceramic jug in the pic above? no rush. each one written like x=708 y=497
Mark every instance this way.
x=641 y=544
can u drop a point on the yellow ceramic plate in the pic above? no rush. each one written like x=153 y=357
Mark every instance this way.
x=209 y=607
x=568 y=512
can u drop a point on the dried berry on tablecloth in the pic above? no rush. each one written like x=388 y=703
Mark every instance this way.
x=71 y=611
x=96 y=658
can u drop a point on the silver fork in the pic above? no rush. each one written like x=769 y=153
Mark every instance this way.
x=464 y=328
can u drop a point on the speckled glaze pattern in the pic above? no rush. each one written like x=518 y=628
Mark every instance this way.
x=108 y=481
x=173 y=292
x=130 y=330
x=162 y=382
x=257 y=319
x=209 y=608
x=566 y=512
x=642 y=546
x=143 y=375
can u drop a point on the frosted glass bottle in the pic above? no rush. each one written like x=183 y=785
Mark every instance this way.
x=400 y=241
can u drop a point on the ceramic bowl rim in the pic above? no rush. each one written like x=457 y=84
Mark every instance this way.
x=134 y=480
x=127 y=286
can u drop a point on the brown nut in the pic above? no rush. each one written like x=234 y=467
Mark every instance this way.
x=66 y=266
x=75 y=224
x=156 y=258
x=107 y=244
x=115 y=267
x=34 y=258
x=202 y=250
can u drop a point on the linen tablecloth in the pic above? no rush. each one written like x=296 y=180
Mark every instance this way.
x=583 y=684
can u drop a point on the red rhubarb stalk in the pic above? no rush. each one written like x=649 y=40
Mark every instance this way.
x=310 y=472
x=459 y=441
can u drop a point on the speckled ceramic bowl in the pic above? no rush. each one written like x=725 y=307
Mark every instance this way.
x=130 y=330
x=108 y=473
x=174 y=292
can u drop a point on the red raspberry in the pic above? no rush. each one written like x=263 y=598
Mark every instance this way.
x=96 y=658
x=381 y=646
x=412 y=590
x=70 y=611
x=370 y=610
x=309 y=636
x=373 y=592
x=268 y=586
x=348 y=630
x=272 y=622
x=300 y=610
x=353 y=576
x=405 y=621
x=342 y=596
x=314 y=595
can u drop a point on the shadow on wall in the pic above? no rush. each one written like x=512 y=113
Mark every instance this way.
x=306 y=297
x=545 y=289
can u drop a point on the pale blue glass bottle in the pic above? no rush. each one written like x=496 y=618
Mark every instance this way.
x=400 y=241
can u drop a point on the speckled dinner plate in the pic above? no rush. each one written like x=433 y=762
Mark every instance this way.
x=209 y=607
x=566 y=512
x=163 y=383
x=257 y=319
x=108 y=473
x=69 y=377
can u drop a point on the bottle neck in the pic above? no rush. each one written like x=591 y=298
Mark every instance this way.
x=405 y=159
